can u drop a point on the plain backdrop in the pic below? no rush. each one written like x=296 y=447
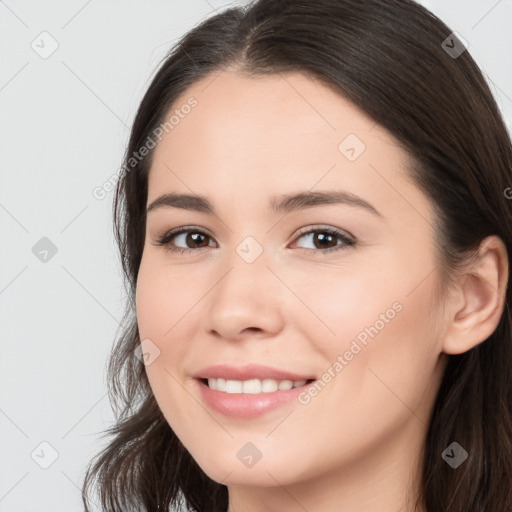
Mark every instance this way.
x=64 y=123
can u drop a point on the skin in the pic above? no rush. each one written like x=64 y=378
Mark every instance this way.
x=357 y=444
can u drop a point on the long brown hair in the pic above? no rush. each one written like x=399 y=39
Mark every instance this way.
x=391 y=59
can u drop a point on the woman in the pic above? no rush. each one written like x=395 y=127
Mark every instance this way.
x=313 y=219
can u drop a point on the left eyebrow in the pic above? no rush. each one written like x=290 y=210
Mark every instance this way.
x=290 y=202
x=279 y=204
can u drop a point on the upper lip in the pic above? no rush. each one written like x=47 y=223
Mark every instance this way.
x=247 y=372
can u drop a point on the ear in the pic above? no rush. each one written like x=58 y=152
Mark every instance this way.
x=477 y=305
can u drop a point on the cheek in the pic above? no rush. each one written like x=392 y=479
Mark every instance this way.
x=336 y=302
x=164 y=295
x=167 y=308
x=389 y=352
x=159 y=306
x=380 y=320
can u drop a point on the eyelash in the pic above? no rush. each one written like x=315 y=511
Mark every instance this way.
x=347 y=241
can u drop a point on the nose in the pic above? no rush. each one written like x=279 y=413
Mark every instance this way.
x=247 y=300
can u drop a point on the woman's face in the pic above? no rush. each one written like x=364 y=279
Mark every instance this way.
x=340 y=292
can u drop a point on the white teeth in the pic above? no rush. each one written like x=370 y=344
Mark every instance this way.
x=269 y=385
x=285 y=384
x=233 y=386
x=253 y=386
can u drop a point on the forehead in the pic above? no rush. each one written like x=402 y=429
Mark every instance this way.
x=249 y=137
x=266 y=114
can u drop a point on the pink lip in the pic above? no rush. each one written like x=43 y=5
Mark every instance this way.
x=247 y=372
x=246 y=406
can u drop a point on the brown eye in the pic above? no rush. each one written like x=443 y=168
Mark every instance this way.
x=192 y=238
x=326 y=239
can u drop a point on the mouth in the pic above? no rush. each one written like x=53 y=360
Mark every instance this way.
x=253 y=386
x=248 y=399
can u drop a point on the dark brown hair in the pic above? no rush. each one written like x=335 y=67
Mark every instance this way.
x=388 y=58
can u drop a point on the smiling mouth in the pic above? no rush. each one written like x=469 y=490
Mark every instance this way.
x=253 y=386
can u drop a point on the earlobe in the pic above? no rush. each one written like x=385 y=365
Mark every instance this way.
x=477 y=306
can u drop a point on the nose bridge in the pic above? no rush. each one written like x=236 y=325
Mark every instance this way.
x=249 y=273
x=247 y=295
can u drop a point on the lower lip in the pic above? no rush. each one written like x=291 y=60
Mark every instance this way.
x=245 y=405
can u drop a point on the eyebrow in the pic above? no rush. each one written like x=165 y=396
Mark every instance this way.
x=285 y=203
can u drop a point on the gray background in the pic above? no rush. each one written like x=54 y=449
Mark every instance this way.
x=64 y=125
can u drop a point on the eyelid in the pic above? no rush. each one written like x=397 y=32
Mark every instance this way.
x=171 y=233
x=347 y=238
x=327 y=228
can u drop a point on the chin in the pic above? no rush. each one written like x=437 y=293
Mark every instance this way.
x=268 y=471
